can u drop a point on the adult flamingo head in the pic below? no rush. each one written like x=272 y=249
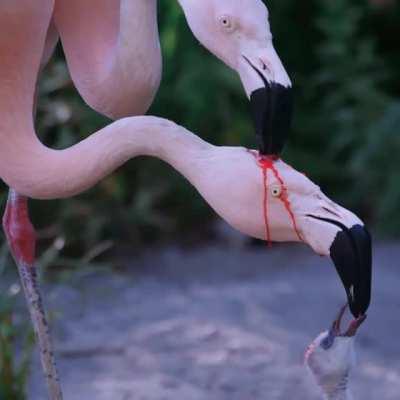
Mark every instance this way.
x=238 y=32
x=278 y=203
x=329 y=229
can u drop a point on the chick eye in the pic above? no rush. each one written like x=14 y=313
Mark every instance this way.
x=327 y=343
x=276 y=191
x=226 y=23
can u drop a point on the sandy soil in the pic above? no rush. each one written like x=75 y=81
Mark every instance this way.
x=224 y=322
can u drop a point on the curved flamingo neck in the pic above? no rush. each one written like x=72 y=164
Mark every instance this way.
x=113 y=52
x=39 y=172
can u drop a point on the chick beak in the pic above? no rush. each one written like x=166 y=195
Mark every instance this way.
x=336 y=331
x=336 y=326
x=354 y=325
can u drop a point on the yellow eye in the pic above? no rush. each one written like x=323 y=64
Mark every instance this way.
x=276 y=190
x=226 y=23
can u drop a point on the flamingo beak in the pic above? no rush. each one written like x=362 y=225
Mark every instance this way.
x=351 y=252
x=270 y=91
x=349 y=245
x=336 y=330
x=337 y=323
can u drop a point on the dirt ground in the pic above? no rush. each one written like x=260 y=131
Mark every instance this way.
x=217 y=323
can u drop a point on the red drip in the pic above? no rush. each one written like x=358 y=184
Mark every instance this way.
x=265 y=207
x=266 y=163
x=286 y=202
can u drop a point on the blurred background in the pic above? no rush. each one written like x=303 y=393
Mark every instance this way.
x=343 y=58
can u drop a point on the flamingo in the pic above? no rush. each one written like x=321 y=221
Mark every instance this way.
x=331 y=357
x=115 y=63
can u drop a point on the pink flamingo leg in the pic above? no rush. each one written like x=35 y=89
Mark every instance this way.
x=21 y=238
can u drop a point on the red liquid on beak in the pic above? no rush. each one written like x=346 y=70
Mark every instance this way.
x=267 y=163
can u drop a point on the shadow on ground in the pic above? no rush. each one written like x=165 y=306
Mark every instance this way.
x=219 y=322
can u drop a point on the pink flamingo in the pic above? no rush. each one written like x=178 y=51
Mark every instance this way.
x=113 y=52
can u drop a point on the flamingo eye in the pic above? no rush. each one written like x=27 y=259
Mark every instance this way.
x=227 y=23
x=327 y=343
x=276 y=191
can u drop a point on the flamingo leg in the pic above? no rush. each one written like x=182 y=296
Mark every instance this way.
x=22 y=241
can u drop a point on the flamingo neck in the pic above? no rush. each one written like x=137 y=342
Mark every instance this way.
x=337 y=390
x=39 y=172
x=113 y=52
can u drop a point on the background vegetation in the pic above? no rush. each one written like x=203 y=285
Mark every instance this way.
x=342 y=56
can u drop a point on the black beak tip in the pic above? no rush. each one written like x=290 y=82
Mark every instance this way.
x=272 y=112
x=351 y=252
